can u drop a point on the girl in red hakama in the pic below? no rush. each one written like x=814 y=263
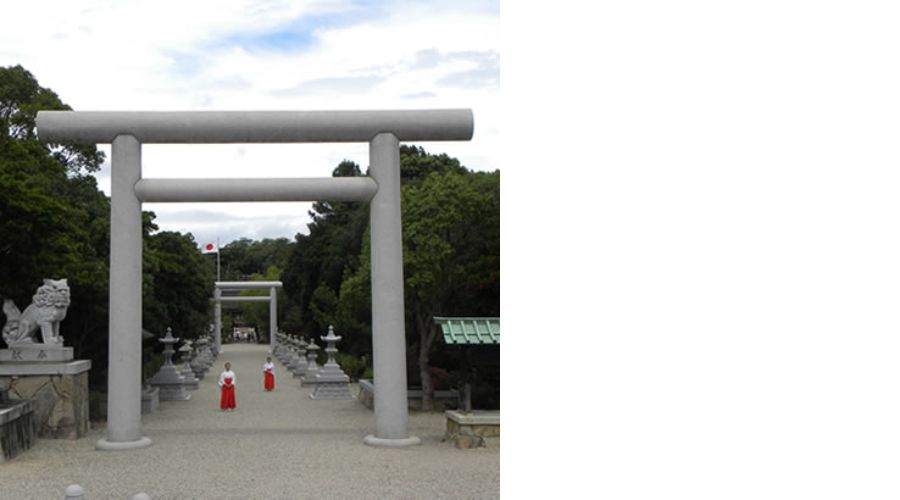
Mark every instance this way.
x=226 y=382
x=269 y=373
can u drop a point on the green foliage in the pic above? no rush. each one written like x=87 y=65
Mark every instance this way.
x=451 y=236
x=332 y=260
x=323 y=305
x=21 y=97
x=451 y=240
x=353 y=318
x=320 y=260
x=178 y=283
x=243 y=258
x=154 y=362
x=416 y=164
x=355 y=367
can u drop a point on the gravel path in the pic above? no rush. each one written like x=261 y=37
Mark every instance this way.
x=277 y=444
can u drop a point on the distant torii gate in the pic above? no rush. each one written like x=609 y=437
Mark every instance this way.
x=127 y=131
x=272 y=299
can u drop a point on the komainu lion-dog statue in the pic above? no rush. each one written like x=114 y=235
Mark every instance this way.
x=48 y=308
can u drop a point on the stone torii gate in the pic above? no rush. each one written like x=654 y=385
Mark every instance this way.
x=127 y=131
x=272 y=299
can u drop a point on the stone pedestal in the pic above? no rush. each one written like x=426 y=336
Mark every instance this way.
x=191 y=382
x=294 y=359
x=331 y=381
x=170 y=384
x=197 y=368
x=59 y=392
x=330 y=389
x=39 y=353
x=282 y=351
x=149 y=400
x=204 y=359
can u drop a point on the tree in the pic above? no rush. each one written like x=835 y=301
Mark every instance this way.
x=178 y=285
x=323 y=305
x=416 y=164
x=244 y=257
x=353 y=315
x=451 y=227
x=451 y=236
x=21 y=97
x=451 y=240
x=53 y=220
x=319 y=260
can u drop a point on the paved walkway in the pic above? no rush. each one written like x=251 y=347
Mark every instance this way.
x=277 y=444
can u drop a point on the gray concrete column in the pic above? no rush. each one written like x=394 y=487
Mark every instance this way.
x=273 y=318
x=123 y=425
x=388 y=329
x=217 y=318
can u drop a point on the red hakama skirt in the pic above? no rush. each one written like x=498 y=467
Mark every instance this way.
x=228 y=400
x=270 y=381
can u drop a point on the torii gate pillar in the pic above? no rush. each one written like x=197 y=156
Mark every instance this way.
x=123 y=424
x=388 y=321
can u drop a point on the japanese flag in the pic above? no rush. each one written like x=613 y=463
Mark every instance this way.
x=210 y=248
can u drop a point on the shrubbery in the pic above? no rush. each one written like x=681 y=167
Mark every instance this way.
x=353 y=366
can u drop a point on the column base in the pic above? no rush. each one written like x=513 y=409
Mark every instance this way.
x=105 y=445
x=391 y=443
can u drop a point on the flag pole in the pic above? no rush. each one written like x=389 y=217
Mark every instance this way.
x=218 y=260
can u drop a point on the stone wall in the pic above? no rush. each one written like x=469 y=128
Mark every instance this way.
x=478 y=429
x=61 y=404
x=443 y=400
x=17 y=432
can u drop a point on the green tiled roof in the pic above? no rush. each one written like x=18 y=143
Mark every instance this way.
x=470 y=330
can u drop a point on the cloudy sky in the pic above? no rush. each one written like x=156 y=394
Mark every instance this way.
x=263 y=55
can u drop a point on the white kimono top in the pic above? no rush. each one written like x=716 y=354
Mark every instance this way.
x=227 y=374
x=269 y=367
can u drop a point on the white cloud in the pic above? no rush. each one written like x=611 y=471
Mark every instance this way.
x=252 y=54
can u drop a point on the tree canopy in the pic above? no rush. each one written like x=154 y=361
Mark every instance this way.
x=54 y=223
x=451 y=239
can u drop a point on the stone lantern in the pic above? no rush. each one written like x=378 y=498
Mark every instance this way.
x=312 y=352
x=191 y=382
x=331 y=381
x=168 y=379
x=302 y=364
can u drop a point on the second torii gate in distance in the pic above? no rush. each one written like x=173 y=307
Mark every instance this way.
x=272 y=299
